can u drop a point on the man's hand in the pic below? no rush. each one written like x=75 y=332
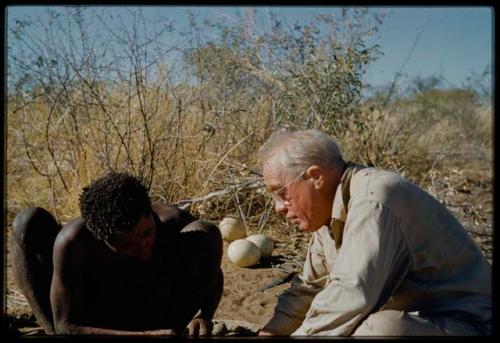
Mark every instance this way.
x=200 y=327
x=265 y=332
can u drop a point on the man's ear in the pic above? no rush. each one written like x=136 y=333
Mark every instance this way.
x=317 y=175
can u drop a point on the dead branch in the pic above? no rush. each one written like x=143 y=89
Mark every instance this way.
x=247 y=185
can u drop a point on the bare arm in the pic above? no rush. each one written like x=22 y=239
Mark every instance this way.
x=201 y=325
x=209 y=307
x=210 y=242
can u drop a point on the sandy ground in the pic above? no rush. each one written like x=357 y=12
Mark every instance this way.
x=244 y=307
x=244 y=298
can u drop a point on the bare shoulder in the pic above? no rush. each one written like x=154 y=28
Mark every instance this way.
x=201 y=225
x=70 y=237
x=173 y=216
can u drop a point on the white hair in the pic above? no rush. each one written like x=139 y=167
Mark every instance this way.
x=301 y=149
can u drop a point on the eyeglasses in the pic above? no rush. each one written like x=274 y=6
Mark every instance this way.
x=281 y=195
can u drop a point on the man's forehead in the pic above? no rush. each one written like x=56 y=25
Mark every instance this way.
x=276 y=159
x=272 y=171
x=272 y=166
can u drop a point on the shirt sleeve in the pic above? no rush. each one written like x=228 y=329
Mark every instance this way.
x=294 y=302
x=371 y=263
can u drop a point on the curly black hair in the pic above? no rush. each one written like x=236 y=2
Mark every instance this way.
x=112 y=205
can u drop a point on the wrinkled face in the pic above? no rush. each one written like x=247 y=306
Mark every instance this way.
x=298 y=198
x=137 y=243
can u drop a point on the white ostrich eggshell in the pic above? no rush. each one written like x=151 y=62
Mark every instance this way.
x=232 y=229
x=265 y=244
x=243 y=253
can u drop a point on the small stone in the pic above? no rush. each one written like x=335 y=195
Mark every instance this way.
x=219 y=329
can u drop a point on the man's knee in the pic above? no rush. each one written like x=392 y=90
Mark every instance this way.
x=34 y=226
x=396 y=323
x=34 y=231
x=383 y=323
x=22 y=221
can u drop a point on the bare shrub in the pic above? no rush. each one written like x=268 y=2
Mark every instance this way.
x=83 y=102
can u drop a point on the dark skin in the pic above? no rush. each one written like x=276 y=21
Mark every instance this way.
x=138 y=284
x=32 y=268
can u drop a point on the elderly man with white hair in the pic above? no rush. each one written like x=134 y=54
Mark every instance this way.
x=385 y=258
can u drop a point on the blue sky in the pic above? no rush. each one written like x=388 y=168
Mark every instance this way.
x=453 y=42
x=447 y=41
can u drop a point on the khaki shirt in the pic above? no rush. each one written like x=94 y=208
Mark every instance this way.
x=395 y=247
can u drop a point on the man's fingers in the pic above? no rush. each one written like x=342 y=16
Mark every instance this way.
x=192 y=329
x=203 y=329
x=199 y=327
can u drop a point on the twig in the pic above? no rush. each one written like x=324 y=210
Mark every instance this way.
x=433 y=187
x=238 y=205
x=222 y=159
x=53 y=197
x=279 y=281
x=31 y=331
x=265 y=216
x=246 y=186
x=15 y=291
x=399 y=73
x=18 y=302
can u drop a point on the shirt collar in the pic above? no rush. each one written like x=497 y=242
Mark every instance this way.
x=339 y=208
x=341 y=201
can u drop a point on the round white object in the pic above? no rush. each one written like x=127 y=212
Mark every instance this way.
x=232 y=228
x=265 y=244
x=243 y=253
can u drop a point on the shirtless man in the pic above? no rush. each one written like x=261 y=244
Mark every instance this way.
x=124 y=268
